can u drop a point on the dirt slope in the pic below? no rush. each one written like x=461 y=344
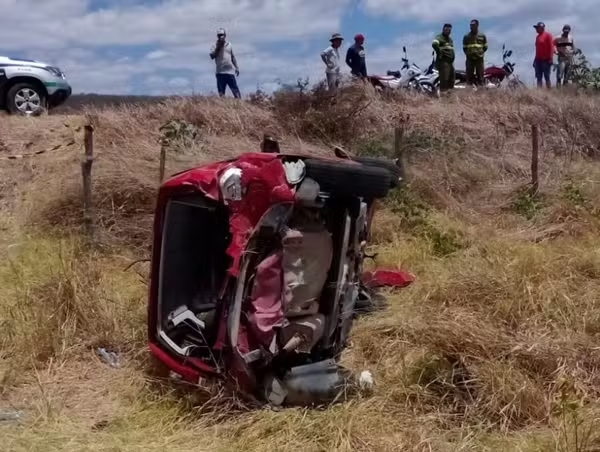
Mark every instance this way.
x=495 y=347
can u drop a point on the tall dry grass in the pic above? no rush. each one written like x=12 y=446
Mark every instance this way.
x=495 y=346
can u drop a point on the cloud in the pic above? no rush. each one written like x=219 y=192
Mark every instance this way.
x=161 y=46
x=172 y=35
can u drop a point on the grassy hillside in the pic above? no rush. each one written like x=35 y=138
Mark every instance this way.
x=77 y=103
x=494 y=347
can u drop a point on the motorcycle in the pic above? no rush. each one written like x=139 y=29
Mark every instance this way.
x=429 y=81
x=257 y=271
x=410 y=76
x=493 y=76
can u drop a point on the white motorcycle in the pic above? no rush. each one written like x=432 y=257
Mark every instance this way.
x=429 y=81
x=410 y=77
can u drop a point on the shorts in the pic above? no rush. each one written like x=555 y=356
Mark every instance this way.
x=333 y=81
x=542 y=70
x=563 y=71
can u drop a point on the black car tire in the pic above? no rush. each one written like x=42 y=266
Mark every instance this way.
x=349 y=179
x=12 y=92
x=395 y=171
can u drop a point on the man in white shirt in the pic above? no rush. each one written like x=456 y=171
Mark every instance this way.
x=564 y=49
x=331 y=58
x=226 y=65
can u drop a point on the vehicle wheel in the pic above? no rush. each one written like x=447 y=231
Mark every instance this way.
x=397 y=173
x=26 y=99
x=429 y=89
x=349 y=179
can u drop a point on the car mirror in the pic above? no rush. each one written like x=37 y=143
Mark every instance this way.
x=509 y=53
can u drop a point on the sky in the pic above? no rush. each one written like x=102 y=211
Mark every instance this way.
x=158 y=47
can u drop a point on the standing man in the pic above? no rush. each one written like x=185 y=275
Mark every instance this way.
x=355 y=57
x=226 y=65
x=564 y=50
x=544 y=55
x=475 y=45
x=444 y=61
x=331 y=58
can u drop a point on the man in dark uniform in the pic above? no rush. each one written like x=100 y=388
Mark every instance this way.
x=444 y=50
x=475 y=45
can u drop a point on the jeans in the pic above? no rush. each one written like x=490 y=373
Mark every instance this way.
x=563 y=72
x=225 y=80
x=542 y=70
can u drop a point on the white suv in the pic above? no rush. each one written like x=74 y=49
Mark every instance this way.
x=28 y=87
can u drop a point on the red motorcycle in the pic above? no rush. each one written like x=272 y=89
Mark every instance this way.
x=493 y=76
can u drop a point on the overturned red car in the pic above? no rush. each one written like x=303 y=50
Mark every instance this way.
x=257 y=275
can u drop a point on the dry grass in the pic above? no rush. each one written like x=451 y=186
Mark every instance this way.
x=495 y=347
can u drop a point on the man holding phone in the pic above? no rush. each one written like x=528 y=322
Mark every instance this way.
x=226 y=65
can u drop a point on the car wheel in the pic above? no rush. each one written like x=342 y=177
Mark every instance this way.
x=26 y=99
x=396 y=171
x=349 y=179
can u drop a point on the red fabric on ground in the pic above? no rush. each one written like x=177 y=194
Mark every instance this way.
x=387 y=278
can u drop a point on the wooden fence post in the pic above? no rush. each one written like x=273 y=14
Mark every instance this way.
x=86 y=172
x=535 y=150
x=163 y=162
x=399 y=150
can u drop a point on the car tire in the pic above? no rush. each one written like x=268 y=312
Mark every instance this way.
x=395 y=171
x=349 y=179
x=37 y=96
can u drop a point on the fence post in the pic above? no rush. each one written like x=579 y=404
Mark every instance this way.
x=86 y=172
x=163 y=162
x=535 y=150
x=399 y=150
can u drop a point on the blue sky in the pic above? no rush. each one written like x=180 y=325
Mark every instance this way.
x=161 y=46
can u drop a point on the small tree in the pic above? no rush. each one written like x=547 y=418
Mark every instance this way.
x=301 y=86
x=583 y=74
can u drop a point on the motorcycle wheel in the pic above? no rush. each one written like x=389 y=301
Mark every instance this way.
x=429 y=89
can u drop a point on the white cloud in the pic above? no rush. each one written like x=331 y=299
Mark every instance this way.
x=176 y=34
x=98 y=48
x=156 y=55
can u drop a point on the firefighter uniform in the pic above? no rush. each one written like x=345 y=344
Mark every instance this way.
x=444 y=61
x=475 y=45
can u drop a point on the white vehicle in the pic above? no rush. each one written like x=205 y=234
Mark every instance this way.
x=405 y=78
x=429 y=81
x=28 y=87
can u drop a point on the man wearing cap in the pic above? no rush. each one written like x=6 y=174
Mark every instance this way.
x=564 y=50
x=355 y=57
x=444 y=51
x=544 y=55
x=331 y=58
x=474 y=45
x=226 y=65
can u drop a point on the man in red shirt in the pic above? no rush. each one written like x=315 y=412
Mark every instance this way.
x=544 y=54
